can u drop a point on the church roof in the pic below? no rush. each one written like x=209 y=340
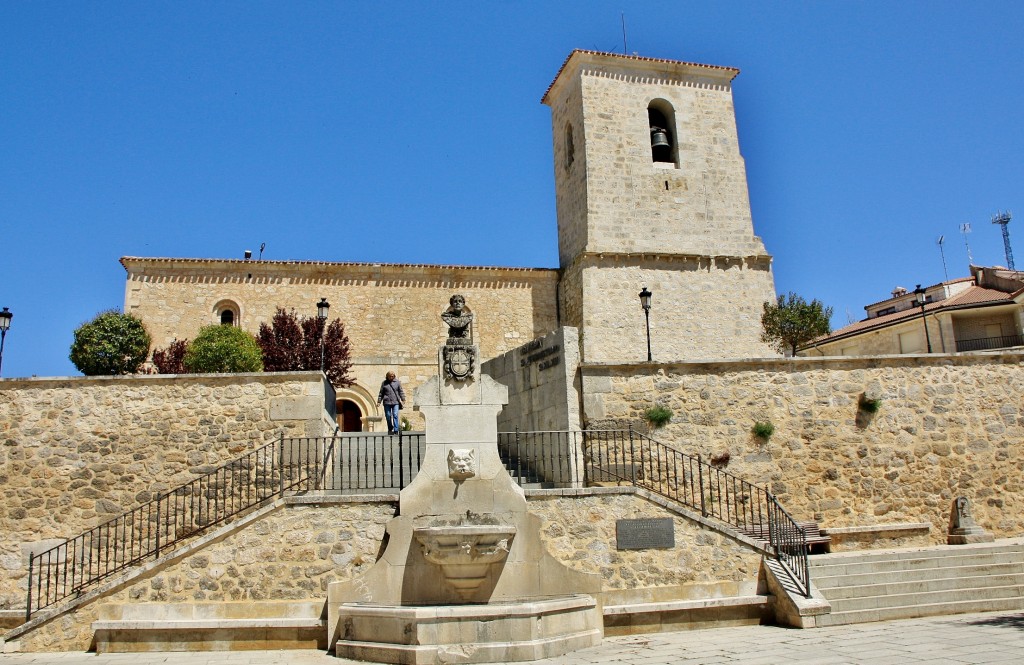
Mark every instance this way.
x=636 y=58
x=126 y=260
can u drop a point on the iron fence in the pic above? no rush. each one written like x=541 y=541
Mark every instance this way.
x=363 y=462
x=71 y=567
x=595 y=457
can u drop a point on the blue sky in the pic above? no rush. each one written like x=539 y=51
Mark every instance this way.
x=413 y=132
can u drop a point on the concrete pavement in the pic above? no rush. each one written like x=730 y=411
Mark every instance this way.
x=967 y=638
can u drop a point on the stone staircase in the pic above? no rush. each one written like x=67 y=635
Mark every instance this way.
x=881 y=585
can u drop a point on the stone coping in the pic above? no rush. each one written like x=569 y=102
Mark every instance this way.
x=789 y=363
x=207 y=624
x=240 y=377
x=876 y=528
x=531 y=607
x=677 y=605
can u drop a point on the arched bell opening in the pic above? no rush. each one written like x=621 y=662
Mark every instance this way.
x=661 y=121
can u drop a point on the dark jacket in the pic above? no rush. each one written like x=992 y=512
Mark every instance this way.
x=391 y=393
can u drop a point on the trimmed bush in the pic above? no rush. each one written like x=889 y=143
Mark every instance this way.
x=172 y=359
x=112 y=343
x=220 y=349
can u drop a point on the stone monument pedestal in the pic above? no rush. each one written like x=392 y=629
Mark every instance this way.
x=464 y=577
x=963 y=530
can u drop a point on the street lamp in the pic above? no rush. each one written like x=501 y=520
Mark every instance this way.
x=5 y=324
x=919 y=292
x=645 y=302
x=322 y=308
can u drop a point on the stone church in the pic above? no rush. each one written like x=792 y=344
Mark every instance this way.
x=651 y=192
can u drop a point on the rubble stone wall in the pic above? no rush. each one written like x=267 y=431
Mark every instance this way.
x=948 y=425
x=76 y=452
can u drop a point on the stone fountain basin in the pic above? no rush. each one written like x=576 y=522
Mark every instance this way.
x=467 y=544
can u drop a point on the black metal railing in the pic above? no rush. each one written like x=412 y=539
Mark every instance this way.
x=365 y=461
x=362 y=462
x=986 y=343
x=68 y=569
x=592 y=457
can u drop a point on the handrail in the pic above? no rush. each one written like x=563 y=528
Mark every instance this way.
x=256 y=478
x=369 y=461
x=635 y=458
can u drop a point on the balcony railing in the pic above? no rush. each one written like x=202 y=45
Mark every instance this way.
x=988 y=343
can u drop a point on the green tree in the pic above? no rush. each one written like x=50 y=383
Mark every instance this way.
x=792 y=322
x=223 y=349
x=112 y=343
x=291 y=344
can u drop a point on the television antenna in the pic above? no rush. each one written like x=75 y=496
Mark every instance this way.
x=939 y=242
x=964 y=230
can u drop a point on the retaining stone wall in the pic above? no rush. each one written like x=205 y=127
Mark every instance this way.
x=948 y=426
x=293 y=553
x=75 y=452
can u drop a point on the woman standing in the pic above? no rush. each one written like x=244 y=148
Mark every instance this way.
x=392 y=397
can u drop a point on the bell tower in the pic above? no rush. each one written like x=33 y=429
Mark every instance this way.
x=651 y=191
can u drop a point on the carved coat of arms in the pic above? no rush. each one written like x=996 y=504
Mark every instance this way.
x=458 y=362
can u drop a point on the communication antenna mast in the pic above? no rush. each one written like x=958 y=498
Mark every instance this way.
x=964 y=230
x=1003 y=220
x=941 y=240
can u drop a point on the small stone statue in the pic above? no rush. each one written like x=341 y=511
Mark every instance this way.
x=962 y=527
x=459 y=319
x=459 y=352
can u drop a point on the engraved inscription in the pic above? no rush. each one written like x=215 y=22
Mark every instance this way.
x=645 y=534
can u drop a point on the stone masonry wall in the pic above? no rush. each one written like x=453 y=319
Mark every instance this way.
x=947 y=426
x=292 y=553
x=75 y=452
x=540 y=378
x=580 y=532
x=700 y=309
x=391 y=312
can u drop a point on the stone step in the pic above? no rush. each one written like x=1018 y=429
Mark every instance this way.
x=853 y=567
x=227 y=626
x=911 y=612
x=829 y=582
x=938 y=552
x=926 y=598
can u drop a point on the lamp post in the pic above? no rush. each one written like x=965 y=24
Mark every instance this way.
x=919 y=292
x=645 y=302
x=322 y=308
x=5 y=324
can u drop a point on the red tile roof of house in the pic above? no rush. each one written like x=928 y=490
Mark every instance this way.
x=971 y=297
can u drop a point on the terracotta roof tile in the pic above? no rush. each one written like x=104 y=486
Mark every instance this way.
x=972 y=296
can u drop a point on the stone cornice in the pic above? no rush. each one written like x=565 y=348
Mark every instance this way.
x=134 y=262
x=660 y=69
x=806 y=363
x=636 y=258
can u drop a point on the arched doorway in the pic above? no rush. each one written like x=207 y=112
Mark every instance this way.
x=350 y=416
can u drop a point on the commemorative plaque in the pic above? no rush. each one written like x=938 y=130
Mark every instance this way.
x=645 y=534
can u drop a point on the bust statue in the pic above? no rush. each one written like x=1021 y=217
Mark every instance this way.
x=459 y=319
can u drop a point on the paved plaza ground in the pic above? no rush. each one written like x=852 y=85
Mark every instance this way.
x=966 y=638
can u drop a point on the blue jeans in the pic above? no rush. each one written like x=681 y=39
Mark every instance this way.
x=391 y=415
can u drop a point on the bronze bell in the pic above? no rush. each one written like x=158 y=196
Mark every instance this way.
x=659 y=138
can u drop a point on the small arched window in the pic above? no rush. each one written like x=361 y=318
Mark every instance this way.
x=570 y=147
x=661 y=120
x=226 y=313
